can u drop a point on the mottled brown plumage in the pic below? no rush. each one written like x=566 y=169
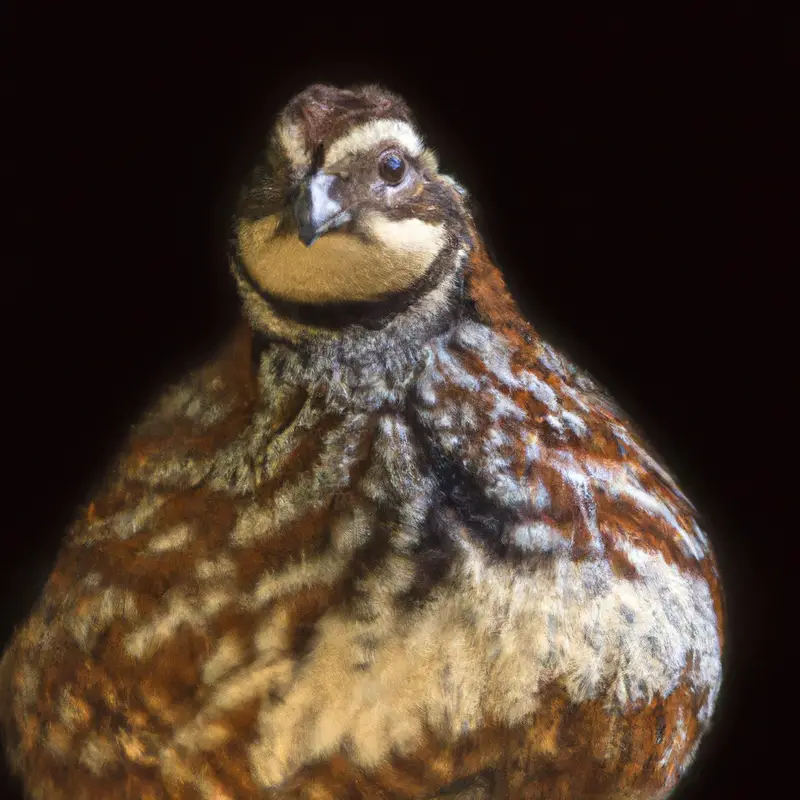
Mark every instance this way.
x=387 y=543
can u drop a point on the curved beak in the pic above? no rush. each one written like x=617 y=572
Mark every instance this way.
x=316 y=211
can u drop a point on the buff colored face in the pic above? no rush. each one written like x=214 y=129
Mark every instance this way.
x=351 y=221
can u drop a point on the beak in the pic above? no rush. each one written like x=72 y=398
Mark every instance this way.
x=315 y=211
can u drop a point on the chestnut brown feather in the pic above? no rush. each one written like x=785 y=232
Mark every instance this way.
x=404 y=550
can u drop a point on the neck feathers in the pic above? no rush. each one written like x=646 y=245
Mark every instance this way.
x=373 y=364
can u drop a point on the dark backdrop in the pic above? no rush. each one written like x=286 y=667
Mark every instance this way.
x=627 y=172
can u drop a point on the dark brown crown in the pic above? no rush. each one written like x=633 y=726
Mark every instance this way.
x=325 y=112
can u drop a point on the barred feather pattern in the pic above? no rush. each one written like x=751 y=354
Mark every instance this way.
x=448 y=571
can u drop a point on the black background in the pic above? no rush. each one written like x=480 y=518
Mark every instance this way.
x=628 y=173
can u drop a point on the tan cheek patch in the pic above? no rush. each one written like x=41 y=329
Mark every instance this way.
x=338 y=266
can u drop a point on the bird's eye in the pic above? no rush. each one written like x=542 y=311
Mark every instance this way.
x=391 y=168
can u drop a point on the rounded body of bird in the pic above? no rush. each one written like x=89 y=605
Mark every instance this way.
x=413 y=558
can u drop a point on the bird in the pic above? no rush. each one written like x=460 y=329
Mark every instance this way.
x=385 y=542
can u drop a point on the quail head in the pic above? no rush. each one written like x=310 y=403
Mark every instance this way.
x=386 y=543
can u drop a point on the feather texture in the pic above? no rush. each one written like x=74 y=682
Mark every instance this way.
x=421 y=559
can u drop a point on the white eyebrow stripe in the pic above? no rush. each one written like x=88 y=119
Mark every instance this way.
x=291 y=141
x=371 y=133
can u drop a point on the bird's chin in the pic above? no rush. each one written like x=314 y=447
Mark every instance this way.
x=339 y=267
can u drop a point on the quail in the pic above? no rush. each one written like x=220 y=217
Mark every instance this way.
x=386 y=543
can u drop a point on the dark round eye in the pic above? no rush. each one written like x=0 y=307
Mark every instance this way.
x=391 y=168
